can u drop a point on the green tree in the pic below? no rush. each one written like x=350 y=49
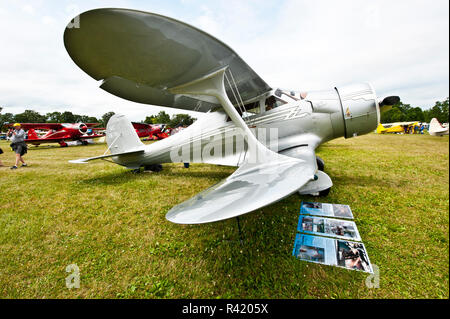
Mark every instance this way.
x=415 y=114
x=5 y=118
x=106 y=117
x=439 y=111
x=68 y=117
x=181 y=120
x=150 y=119
x=92 y=119
x=402 y=113
x=162 y=118
x=30 y=116
x=53 y=117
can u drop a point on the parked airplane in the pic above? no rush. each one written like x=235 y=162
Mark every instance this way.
x=153 y=59
x=152 y=131
x=437 y=129
x=398 y=127
x=59 y=132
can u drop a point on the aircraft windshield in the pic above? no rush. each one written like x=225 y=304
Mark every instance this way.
x=273 y=102
x=251 y=108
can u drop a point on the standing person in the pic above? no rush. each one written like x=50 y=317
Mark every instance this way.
x=18 y=144
x=1 y=163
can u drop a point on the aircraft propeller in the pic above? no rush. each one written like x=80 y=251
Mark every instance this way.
x=388 y=102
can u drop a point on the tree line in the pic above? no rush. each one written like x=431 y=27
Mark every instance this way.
x=406 y=113
x=174 y=121
x=30 y=116
x=399 y=113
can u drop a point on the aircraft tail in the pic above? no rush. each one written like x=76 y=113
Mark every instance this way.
x=121 y=136
x=435 y=126
x=380 y=129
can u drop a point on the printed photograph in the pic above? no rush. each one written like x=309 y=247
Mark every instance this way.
x=343 y=211
x=312 y=224
x=329 y=227
x=341 y=228
x=326 y=209
x=310 y=253
x=312 y=205
x=352 y=256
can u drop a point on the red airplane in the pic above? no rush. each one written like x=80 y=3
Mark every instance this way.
x=60 y=132
x=154 y=132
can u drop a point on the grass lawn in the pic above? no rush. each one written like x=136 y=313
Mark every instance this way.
x=111 y=223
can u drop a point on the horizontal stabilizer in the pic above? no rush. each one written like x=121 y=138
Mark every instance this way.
x=85 y=160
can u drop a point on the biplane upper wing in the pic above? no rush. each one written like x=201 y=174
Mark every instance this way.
x=140 y=126
x=130 y=51
x=40 y=126
x=92 y=125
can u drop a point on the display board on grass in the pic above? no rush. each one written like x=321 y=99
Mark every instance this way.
x=313 y=242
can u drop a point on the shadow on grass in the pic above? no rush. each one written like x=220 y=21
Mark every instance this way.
x=56 y=146
x=119 y=177
x=358 y=180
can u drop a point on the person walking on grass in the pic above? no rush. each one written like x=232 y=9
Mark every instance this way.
x=1 y=163
x=18 y=144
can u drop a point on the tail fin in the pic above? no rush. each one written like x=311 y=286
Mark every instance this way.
x=380 y=128
x=121 y=135
x=32 y=135
x=435 y=126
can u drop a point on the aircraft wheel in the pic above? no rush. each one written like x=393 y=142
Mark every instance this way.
x=136 y=171
x=325 y=192
x=320 y=163
x=154 y=168
x=84 y=143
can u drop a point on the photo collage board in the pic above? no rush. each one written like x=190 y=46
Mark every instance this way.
x=326 y=235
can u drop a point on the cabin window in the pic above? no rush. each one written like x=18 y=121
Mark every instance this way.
x=250 y=109
x=273 y=102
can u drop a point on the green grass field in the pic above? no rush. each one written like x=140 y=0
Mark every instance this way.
x=111 y=223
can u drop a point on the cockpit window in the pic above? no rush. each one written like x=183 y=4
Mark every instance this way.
x=250 y=108
x=273 y=102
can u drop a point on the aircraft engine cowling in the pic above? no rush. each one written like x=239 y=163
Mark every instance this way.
x=82 y=128
x=360 y=108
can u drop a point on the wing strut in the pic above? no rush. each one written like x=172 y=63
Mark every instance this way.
x=213 y=85
x=264 y=178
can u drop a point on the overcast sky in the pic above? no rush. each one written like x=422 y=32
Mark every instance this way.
x=401 y=47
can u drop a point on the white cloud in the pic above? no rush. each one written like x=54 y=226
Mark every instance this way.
x=401 y=47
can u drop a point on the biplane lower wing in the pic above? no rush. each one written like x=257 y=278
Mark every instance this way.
x=264 y=178
x=250 y=187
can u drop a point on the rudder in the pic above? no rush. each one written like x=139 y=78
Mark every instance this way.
x=121 y=136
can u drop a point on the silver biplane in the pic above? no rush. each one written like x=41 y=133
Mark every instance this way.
x=152 y=59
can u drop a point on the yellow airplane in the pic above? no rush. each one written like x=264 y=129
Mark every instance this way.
x=398 y=127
